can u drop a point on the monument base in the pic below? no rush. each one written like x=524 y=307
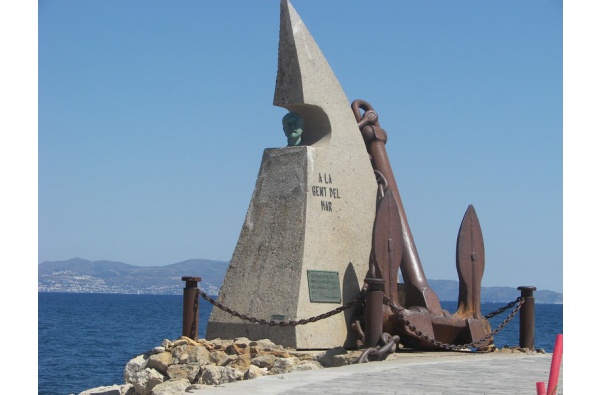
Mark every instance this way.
x=302 y=252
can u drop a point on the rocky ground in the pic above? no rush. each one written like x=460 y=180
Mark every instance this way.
x=177 y=366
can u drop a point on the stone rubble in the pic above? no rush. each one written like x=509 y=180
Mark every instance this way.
x=183 y=364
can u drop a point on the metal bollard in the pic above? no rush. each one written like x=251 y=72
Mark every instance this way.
x=527 y=318
x=190 y=307
x=374 y=311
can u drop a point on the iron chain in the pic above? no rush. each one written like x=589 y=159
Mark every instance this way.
x=503 y=309
x=245 y=317
x=397 y=311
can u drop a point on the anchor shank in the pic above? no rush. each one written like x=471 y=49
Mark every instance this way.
x=418 y=291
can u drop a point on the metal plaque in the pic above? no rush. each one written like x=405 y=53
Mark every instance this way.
x=324 y=287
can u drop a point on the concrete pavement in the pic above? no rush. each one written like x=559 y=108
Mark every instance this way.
x=410 y=373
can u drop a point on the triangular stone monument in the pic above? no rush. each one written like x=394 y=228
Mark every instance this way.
x=304 y=247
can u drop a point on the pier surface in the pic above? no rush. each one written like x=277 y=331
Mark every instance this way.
x=410 y=373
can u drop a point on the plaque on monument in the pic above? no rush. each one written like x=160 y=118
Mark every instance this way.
x=324 y=286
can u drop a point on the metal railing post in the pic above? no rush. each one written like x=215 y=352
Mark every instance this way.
x=190 y=307
x=527 y=318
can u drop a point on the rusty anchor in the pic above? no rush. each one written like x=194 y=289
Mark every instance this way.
x=412 y=310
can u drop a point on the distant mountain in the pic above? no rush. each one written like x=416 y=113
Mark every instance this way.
x=447 y=290
x=81 y=275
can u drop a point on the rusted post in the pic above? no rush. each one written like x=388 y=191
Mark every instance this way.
x=527 y=318
x=190 y=307
x=374 y=311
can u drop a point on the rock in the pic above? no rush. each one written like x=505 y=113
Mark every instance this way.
x=184 y=358
x=180 y=342
x=171 y=387
x=160 y=361
x=242 y=362
x=127 y=389
x=326 y=359
x=189 y=372
x=124 y=389
x=106 y=390
x=180 y=353
x=284 y=365
x=145 y=380
x=220 y=358
x=255 y=372
x=265 y=344
x=346 y=359
x=306 y=355
x=215 y=375
x=135 y=365
x=242 y=342
x=307 y=365
x=517 y=349
x=235 y=349
x=218 y=344
x=254 y=352
x=264 y=360
x=200 y=355
x=184 y=340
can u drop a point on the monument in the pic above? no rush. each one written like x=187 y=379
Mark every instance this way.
x=305 y=243
x=326 y=232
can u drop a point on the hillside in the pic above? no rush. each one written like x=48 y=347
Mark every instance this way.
x=81 y=275
x=447 y=290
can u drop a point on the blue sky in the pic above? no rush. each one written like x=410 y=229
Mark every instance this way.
x=153 y=116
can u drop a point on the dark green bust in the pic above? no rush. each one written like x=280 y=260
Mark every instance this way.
x=292 y=126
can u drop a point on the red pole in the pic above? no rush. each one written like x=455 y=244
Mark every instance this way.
x=555 y=366
x=540 y=386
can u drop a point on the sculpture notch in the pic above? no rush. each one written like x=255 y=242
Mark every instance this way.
x=306 y=84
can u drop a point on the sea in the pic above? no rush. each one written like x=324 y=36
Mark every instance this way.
x=85 y=339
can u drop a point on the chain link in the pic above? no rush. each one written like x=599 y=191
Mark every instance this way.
x=194 y=322
x=382 y=183
x=387 y=345
x=245 y=317
x=503 y=309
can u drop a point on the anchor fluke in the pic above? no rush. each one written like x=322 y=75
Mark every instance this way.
x=387 y=244
x=470 y=263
